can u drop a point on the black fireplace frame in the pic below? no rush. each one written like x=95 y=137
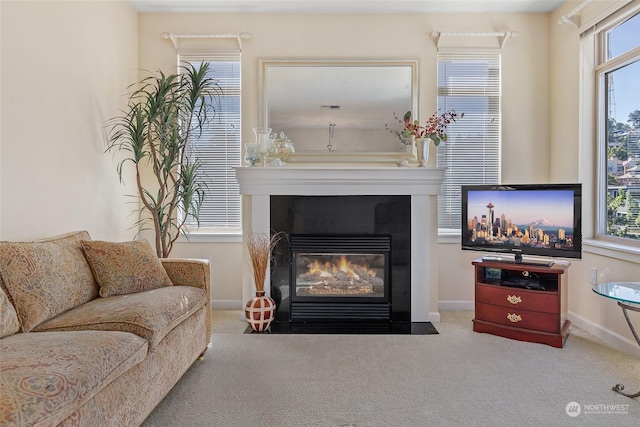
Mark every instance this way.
x=319 y=308
x=343 y=215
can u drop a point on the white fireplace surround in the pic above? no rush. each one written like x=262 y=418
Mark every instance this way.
x=257 y=184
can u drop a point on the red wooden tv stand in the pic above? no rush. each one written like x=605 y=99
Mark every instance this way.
x=514 y=311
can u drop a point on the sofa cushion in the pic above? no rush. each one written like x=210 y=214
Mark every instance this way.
x=71 y=237
x=150 y=314
x=9 y=323
x=46 y=278
x=47 y=376
x=125 y=267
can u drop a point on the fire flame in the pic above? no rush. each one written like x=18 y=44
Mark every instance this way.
x=328 y=269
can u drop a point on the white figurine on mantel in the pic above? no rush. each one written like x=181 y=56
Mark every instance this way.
x=277 y=163
x=403 y=163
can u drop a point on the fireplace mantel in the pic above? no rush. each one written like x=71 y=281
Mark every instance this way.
x=339 y=180
x=257 y=184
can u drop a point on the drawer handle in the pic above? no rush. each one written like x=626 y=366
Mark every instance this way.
x=515 y=318
x=514 y=299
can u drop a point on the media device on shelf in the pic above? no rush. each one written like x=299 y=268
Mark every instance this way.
x=542 y=220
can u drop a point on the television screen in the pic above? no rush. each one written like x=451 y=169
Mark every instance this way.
x=543 y=220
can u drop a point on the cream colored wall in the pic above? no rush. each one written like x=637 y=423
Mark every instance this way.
x=525 y=90
x=455 y=278
x=65 y=66
x=368 y=36
x=226 y=269
x=564 y=97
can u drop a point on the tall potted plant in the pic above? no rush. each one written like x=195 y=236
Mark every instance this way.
x=165 y=114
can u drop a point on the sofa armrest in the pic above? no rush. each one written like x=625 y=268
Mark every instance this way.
x=188 y=272
x=191 y=272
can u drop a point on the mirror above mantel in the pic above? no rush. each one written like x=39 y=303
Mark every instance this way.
x=335 y=110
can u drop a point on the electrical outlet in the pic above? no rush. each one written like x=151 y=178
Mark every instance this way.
x=594 y=275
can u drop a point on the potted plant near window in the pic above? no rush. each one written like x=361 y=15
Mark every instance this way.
x=165 y=116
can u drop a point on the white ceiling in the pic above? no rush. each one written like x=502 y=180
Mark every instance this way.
x=345 y=6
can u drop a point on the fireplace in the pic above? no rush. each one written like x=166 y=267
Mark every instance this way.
x=371 y=233
x=339 y=277
x=414 y=278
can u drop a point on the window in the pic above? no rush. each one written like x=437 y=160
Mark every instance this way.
x=617 y=77
x=468 y=82
x=219 y=149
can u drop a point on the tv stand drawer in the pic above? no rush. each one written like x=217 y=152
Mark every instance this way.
x=522 y=299
x=516 y=317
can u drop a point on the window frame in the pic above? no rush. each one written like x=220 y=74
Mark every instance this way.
x=603 y=66
x=587 y=133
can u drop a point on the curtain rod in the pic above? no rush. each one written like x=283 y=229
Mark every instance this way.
x=238 y=36
x=502 y=36
x=571 y=18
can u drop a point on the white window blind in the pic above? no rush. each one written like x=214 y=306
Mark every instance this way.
x=219 y=148
x=469 y=83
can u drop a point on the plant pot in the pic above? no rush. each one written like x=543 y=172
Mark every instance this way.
x=260 y=312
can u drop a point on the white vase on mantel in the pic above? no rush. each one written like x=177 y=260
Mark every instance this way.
x=422 y=145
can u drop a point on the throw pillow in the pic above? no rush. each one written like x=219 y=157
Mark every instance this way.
x=45 y=278
x=125 y=267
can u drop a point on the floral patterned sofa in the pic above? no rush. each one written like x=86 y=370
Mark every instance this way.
x=95 y=333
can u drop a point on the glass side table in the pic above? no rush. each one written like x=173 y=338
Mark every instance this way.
x=626 y=294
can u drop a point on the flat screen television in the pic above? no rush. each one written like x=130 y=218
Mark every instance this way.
x=542 y=220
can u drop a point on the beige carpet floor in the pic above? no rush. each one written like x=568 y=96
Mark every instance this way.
x=455 y=378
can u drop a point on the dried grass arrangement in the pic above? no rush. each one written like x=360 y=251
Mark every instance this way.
x=260 y=246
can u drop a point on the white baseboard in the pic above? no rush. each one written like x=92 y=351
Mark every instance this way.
x=456 y=305
x=609 y=337
x=451 y=306
x=226 y=304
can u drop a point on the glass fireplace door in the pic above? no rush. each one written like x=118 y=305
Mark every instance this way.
x=340 y=277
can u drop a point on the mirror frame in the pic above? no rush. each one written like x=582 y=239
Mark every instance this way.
x=328 y=157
